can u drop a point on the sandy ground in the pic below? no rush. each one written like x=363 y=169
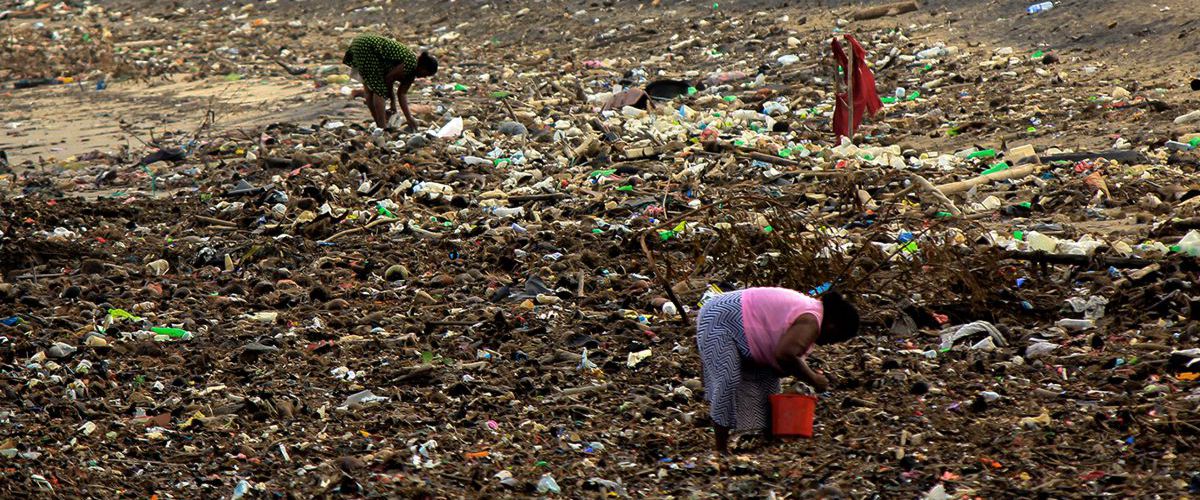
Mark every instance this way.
x=62 y=121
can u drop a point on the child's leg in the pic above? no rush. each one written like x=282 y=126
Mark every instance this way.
x=376 y=105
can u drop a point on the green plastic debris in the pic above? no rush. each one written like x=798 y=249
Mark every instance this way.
x=123 y=314
x=692 y=90
x=739 y=143
x=666 y=234
x=1195 y=142
x=426 y=356
x=1038 y=55
x=911 y=247
x=460 y=87
x=1175 y=248
x=913 y=96
x=1031 y=129
x=768 y=229
x=233 y=77
x=986 y=153
x=943 y=215
x=626 y=187
x=597 y=231
x=1019 y=235
x=384 y=211
x=543 y=463
x=602 y=173
x=1026 y=204
x=785 y=153
x=500 y=94
x=999 y=167
x=888 y=100
x=175 y=333
x=952 y=132
x=730 y=98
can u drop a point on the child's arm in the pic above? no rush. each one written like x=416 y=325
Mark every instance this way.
x=404 y=86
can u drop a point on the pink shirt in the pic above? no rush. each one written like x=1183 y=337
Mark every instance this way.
x=767 y=313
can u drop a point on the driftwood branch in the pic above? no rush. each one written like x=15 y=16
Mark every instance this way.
x=1096 y=261
x=885 y=10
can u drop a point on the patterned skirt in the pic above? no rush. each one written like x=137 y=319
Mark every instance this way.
x=736 y=387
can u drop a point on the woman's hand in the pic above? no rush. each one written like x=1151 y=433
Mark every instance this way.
x=820 y=382
x=814 y=378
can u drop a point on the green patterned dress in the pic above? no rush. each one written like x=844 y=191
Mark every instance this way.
x=373 y=56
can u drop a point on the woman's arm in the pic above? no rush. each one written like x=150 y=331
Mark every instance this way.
x=789 y=354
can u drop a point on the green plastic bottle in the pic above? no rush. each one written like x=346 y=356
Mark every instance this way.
x=175 y=333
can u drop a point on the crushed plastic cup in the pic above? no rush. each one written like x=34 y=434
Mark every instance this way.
x=450 y=130
x=547 y=484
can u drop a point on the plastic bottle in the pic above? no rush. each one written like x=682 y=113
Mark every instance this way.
x=747 y=115
x=1075 y=324
x=240 y=490
x=1190 y=244
x=547 y=484
x=1194 y=116
x=932 y=52
x=774 y=108
x=987 y=153
x=507 y=211
x=1179 y=146
x=1039 y=7
x=175 y=333
x=1040 y=242
x=476 y=161
x=432 y=188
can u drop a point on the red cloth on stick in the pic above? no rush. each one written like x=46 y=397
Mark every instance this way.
x=865 y=97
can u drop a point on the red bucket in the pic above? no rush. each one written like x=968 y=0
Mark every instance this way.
x=792 y=415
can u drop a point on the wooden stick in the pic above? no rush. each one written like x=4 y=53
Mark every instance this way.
x=663 y=279
x=1012 y=173
x=582 y=390
x=885 y=10
x=360 y=229
x=1078 y=260
x=215 y=221
x=472 y=366
x=137 y=44
x=536 y=197
x=849 y=52
x=1136 y=275
x=784 y=162
x=933 y=190
x=38 y=276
